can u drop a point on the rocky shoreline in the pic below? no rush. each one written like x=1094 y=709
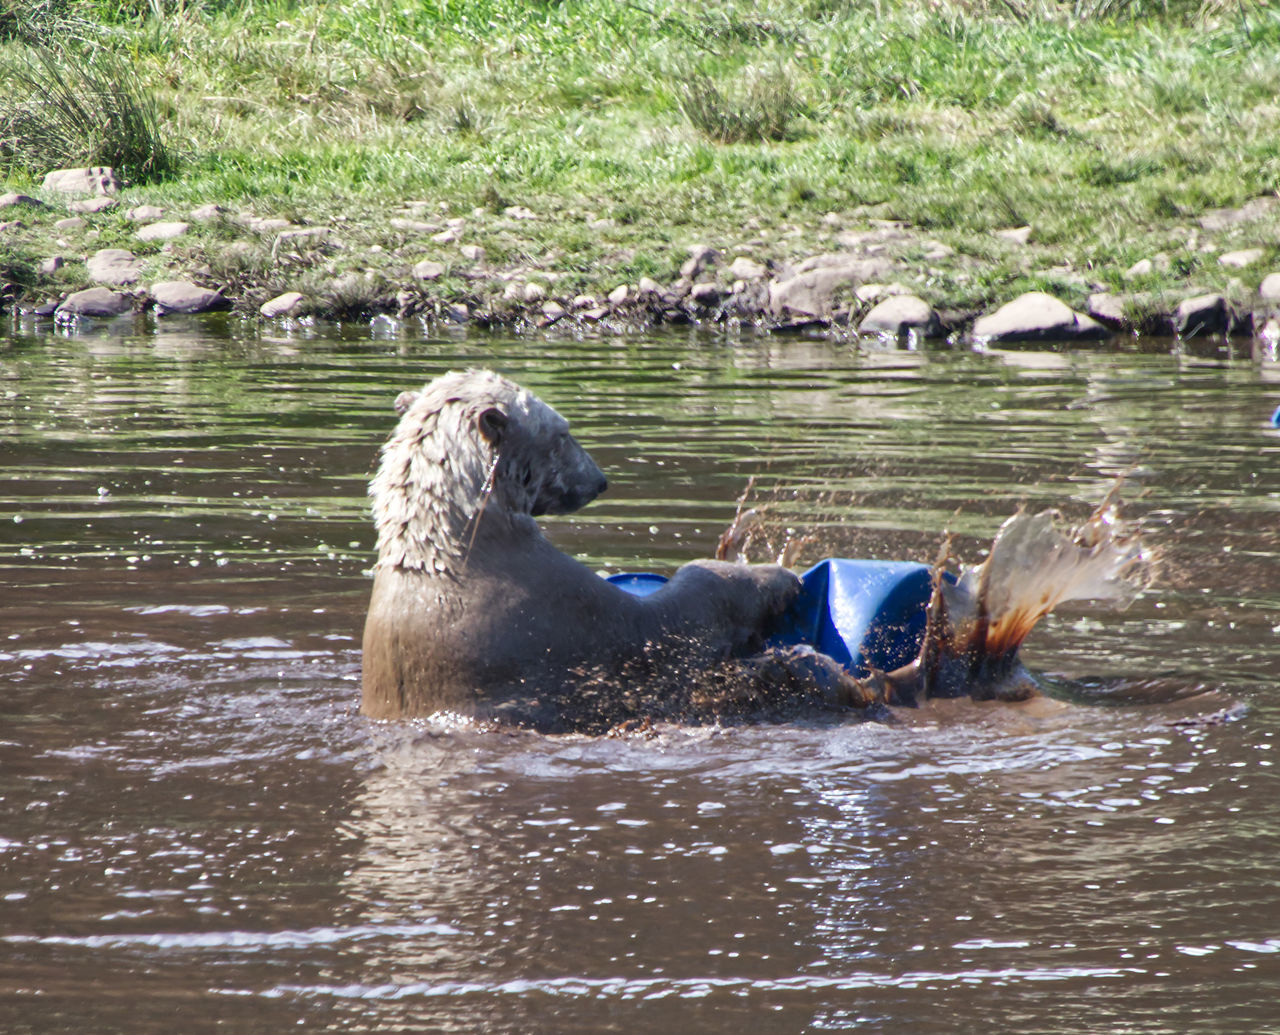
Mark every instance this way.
x=209 y=258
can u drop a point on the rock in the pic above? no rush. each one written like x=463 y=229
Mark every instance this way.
x=205 y=213
x=90 y=205
x=12 y=224
x=706 y=293
x=282 y=305
x=518 y=212
x=1107 y=308
x=14 y=200
x=1222 y=218
x=268 y=226
x=113 y=266
x=619 y=294
x=458 y=312
x=181 y=296
x=1203 y=314
x=1239 y=260
x=428 y=270
x=51 y=265
x=584 y=302
x=144 y=213
x=1017 y=235
x=1269 y=289
x=307 y=235
x=701 y=256
x=414 y=226
x=810 y=293
x=533 y=291
x=472 y=252
x=743 y=268
x=162 y=231
x=1036 y=316
x=95 y=180
x=95 y=302
x=649 y=286
x=1141 y=268
x=552 y=310
x=596 y=314
x=446 y=236
x=901 y=315
x=70 y=224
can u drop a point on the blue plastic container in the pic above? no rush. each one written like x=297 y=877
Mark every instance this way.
x=864 y=614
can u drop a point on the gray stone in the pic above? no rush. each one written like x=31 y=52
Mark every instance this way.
x=902 y=315
x=144 y=213
x=1015 y=235
x=706 y=293
x=51 y=265
x=205 y=213
x=181 y=296
x=701 y=256
x=1036 y=316
x=12 y=224
x=743 y=268
x=552 y=310
x=162 y=231
x=1269 y=289
x=307 y=235
x=90 y=205
x=1141 y=268
x=811 y=293
x=649 y=286
x=113 y=266
x=472 y=252
x=596 y=314
x=1222 y=218
x=13 y=200
x=414 y=226
x=282 y=305
x=458 y=312
x=619 y=294
x=96 y=180
x=533 y=291
x=446 y=236
x=95 y=302
x=1107 y=307
x=518 y=212
x=1239 y=260
x=71 y=223
x=1203 y=314
x=428 y=270
x=584 y=302
x=269 y=225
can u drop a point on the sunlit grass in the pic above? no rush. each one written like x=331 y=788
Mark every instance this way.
x=1106 y=125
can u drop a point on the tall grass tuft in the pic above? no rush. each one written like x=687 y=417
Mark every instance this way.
x=763 y=106
x=63 y=108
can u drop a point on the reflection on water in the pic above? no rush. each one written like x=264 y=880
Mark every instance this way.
x=195 y=823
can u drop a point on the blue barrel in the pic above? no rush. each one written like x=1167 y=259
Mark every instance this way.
x=864 y=614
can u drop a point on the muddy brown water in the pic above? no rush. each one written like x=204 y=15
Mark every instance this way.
x=198 y=831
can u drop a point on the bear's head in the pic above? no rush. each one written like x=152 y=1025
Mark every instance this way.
x=470 y=443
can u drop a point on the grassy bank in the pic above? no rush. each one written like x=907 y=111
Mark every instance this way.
x=634 y=130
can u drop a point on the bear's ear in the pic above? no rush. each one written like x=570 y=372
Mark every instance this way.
x=404 y=400
x=492 y=423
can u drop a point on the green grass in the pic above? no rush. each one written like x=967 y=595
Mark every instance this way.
x=634 y=129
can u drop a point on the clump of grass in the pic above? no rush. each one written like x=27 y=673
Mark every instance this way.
x=64 y=108
x=763 y=106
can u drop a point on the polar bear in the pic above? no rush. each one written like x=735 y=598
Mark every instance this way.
x=474 y=611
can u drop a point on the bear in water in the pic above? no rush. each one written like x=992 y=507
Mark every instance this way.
x=474 y=612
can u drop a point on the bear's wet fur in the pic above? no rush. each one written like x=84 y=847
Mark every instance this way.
x=475 y=612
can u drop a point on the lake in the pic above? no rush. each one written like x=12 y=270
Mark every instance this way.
x=199 y=831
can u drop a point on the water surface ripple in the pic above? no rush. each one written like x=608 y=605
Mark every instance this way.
x=198 y=831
